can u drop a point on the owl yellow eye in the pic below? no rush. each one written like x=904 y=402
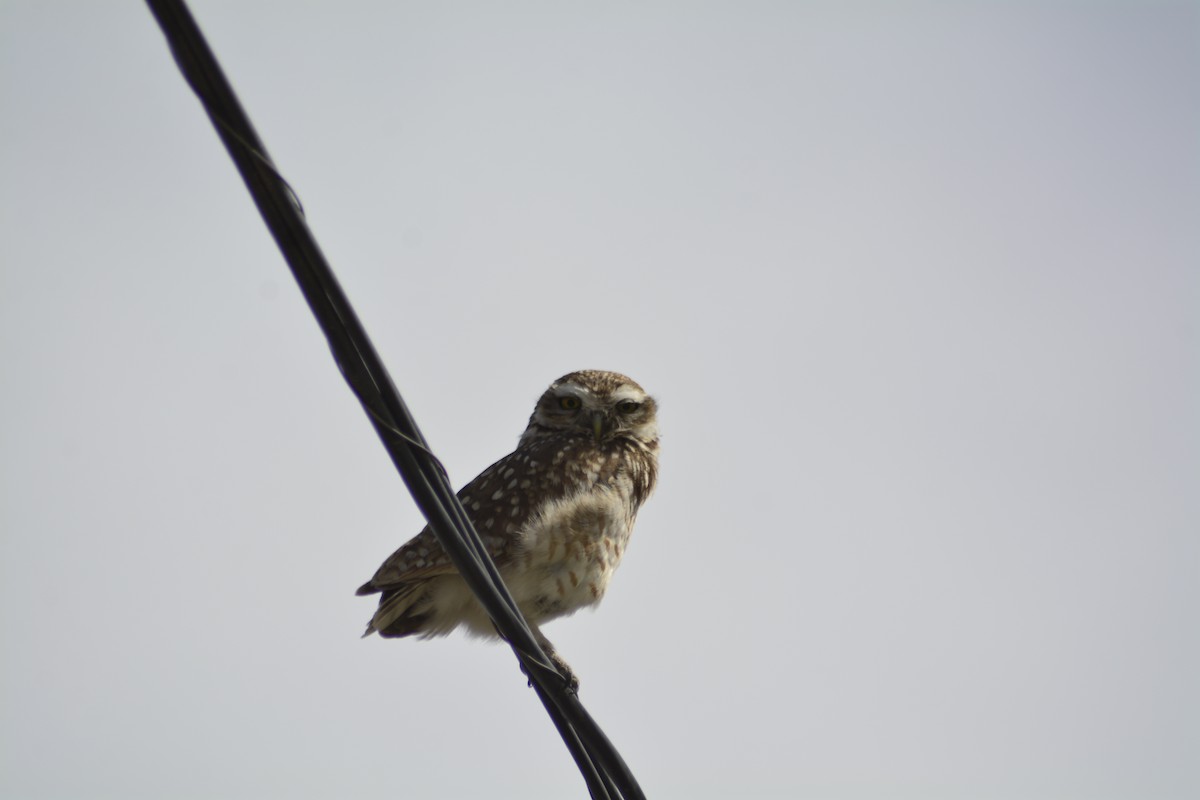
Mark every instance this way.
x=569 y=402
x=628 y=406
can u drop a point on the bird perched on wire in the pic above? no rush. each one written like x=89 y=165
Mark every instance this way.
x=555 y=514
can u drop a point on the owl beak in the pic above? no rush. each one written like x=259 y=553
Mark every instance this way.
x=598 y=425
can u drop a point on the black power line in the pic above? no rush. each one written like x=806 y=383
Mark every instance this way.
x=607 y=776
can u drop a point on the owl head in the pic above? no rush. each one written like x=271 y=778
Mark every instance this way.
x=601 y=405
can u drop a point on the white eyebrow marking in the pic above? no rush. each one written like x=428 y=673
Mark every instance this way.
x=575 y=389
x=628 y=392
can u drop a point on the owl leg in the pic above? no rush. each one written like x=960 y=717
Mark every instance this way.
x=562 y=666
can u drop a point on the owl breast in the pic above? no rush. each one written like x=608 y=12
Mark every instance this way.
x=568 y=552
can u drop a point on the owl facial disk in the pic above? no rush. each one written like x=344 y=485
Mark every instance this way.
x=602 y=405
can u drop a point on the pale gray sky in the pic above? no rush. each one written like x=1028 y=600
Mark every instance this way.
x=915 y=284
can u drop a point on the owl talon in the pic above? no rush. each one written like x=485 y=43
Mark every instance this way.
x=570 y=679
x=568 y=674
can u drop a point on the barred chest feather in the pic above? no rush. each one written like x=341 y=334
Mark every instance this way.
x=563 y=556
x=568 y=552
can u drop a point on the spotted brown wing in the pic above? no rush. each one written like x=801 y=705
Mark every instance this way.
x=498 y=502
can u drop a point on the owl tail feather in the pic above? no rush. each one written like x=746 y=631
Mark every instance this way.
x=396 y=615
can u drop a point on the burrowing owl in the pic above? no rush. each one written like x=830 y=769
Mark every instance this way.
x=555 y=514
